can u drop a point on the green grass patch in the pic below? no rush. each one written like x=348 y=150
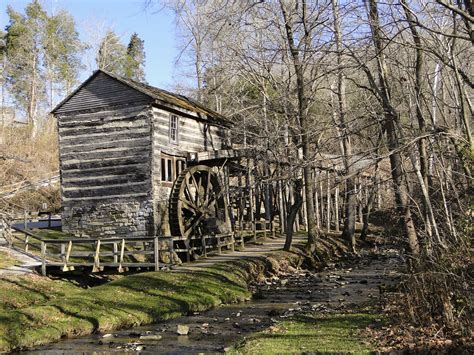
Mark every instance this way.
x=66 y=310
x=6 y=260
x=326 y=333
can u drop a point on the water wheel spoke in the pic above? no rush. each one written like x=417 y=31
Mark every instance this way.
x=213 y=202
x=196 y=186
x=189 y=205
x=197 y=206
x=191 y=226
x=188 y=194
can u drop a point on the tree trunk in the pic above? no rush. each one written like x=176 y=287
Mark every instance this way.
x=292 y=213
x=391 y=127
x=303 y=122
x=350 y=198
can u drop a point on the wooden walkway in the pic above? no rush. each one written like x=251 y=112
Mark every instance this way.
x=124 y=253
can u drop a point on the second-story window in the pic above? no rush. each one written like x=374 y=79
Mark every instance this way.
x=174 y=128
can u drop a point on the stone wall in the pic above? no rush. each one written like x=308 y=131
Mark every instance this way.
x=118 y=219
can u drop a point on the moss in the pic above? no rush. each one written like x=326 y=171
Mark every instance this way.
x=330 y=333
x=58 y=310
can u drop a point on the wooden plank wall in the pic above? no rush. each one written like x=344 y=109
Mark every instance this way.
x=102 y=91
x=105 y=163
x=194 y=136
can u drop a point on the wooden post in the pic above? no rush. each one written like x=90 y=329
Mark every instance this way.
x=25 y=220
x=27 y=240
x=68 y=254
x=232 y=240
x=187 y=245
x=115 y=246
x=219 y=245
x=122 y=250
x=63 y=252
x=43 y=258
x=96 y=267
x=156 y=252
x=203 y=243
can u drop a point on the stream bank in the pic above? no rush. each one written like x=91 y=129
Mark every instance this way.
x=351 y=288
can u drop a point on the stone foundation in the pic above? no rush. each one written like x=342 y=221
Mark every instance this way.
x=118 y=219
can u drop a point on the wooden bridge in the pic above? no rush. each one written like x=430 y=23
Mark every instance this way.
x=125 y=253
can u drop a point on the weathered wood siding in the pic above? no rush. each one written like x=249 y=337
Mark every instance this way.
x=105 y=162
x=102 y=91
x=193 y=136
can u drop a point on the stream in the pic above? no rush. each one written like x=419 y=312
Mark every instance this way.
x=340 y=287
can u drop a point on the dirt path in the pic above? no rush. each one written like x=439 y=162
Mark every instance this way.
x=344 y=287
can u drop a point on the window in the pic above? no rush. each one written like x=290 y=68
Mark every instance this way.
x=174 y=128
x=171 y=166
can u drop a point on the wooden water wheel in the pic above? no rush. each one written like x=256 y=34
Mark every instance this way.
x=198 y=205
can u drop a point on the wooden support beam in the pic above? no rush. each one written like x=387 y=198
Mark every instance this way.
x=115 y=246
x=156 y=252
x=96 y=267
x=43 y=258
x=68 y=255
x=122 y=250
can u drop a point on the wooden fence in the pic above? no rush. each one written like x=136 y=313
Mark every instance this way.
x=123 y=253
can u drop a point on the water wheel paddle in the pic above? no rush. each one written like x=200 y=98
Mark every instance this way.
x=198 y=205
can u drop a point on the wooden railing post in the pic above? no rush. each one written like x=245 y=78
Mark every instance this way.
x=254 y=231
x=25 y=220
x=115 y=249
x=43 y=258
x=27 y=240
x=122 y=250
x=232 y=240
x=68 y=254
x=219 y=244
x=203 y=241
x=171 y=248
x=156 y=253
x=96 y=267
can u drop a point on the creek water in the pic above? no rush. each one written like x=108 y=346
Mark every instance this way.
x=343 y=287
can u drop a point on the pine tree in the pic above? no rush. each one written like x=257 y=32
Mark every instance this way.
x=112 y=54
x=135 y=59
x=62 y=53
x=24 y=44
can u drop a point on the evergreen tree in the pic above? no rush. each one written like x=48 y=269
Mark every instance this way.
x=135 y=59
x=62 y=53
x=112 y=54
x=25 y=48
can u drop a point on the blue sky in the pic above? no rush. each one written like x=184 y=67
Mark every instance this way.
x=93 y=17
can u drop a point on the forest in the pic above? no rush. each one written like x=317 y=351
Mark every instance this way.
x=390 y=82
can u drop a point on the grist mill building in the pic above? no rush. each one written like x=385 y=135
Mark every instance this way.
x=122 y=144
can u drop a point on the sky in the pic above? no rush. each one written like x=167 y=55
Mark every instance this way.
x=94 y=17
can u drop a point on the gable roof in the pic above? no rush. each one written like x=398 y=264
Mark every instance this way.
x=160 y=96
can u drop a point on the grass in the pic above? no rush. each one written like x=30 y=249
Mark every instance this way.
x=39 y=310
x=326 y=333
x=6 y=260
